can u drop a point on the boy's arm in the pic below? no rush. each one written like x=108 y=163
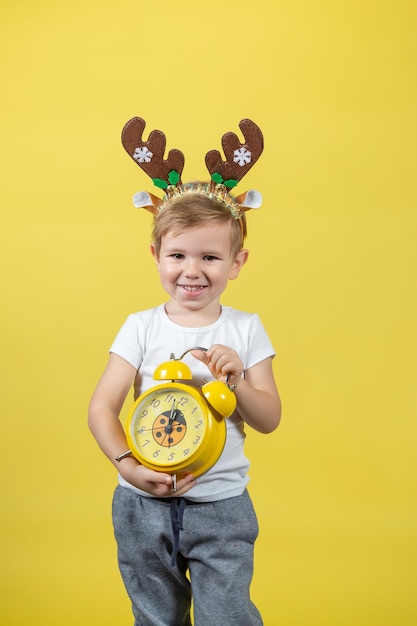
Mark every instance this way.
x=258 y=401
x=106 y=404
x=103 y=420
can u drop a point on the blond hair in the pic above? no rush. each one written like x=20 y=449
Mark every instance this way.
x=189 y=211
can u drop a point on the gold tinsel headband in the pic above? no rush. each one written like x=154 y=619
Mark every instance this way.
x=166 y=173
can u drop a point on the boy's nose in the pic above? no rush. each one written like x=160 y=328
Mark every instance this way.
x=192 y=270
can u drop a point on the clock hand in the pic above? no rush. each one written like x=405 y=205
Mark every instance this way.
x=173 y=413
x=168 y=428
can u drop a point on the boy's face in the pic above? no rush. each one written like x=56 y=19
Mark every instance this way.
x=195 y=265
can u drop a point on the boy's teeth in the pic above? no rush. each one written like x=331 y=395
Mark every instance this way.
x=192 y=288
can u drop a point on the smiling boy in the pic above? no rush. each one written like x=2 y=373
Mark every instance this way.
x=197 y=244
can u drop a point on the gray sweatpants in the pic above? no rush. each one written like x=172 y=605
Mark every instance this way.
x=215 y=547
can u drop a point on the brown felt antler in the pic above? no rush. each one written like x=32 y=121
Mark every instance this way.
x=239 y=156
x=166 y=173
x=149 y=155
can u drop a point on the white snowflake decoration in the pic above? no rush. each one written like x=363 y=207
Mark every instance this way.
x=143 y=155
x=242 y=156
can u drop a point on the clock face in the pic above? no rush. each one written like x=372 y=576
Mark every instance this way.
x=168 y=425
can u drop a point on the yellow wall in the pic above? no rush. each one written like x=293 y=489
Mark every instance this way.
x=332 y=274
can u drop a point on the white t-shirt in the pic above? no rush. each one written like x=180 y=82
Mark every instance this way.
x=149 y=337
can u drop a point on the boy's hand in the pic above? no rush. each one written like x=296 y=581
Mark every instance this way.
x=158 y=484
x=221 y=361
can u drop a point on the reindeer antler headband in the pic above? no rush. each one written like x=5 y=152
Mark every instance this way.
x=166 y=173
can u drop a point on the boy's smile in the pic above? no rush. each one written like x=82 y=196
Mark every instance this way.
x=195 y=266
x=193 y=289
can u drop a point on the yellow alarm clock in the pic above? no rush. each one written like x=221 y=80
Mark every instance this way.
x=178 y=428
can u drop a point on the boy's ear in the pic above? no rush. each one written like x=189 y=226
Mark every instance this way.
x=153 y=252
x=238 y=263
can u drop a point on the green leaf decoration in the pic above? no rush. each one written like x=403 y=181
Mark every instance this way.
x=217 y=178
x=230 y=183
x=173 y=177
x=158 y=182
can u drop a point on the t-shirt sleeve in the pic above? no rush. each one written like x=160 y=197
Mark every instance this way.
x=260 y=346
x=127 y=343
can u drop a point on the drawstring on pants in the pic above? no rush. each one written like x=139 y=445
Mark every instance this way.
x=177 y=513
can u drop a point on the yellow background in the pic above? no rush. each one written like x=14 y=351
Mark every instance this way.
x=331 y=273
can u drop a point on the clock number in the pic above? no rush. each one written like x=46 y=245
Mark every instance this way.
x=141 y=430
x=156 y=454
x=186 y=452
x=169 y=398
x=146 y=443
x=155 y=403
x=198 y=424
x=171 y=456
x=196 y=440
x=144 y=413
x=182 y=401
